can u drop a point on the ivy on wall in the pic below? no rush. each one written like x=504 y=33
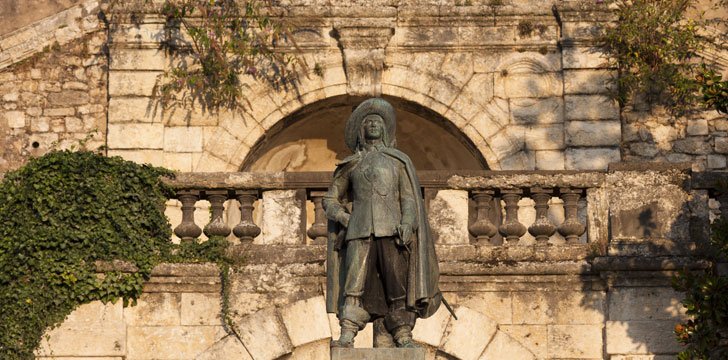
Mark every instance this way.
x=62 y=214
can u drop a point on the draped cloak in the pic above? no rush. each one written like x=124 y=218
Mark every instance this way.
x=423 y=293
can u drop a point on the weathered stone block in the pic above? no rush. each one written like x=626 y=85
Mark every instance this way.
x=139 y=33
x=73 y=124
x=430 y=331
x=264 y=335
x=537 y=111
x=641 y=337
x=378 y=354
x=135 y=136
x=653 y=303
x=448 y=216
x=559 y=307
x=548 y=137
x=721 y=145
x=697 y=127
x=459 y=340
x=183 y=139
x=229 y=348
x=168 y=342
x=66 y=111
x=107 y=339
x=588 y=133
x=220 y=143
x=503 y=345
x=154 y=309
x=521 y=160
x=590 y=158
x=139 y=83
x=152 y=157
x=591 y=107
x=178 y=161
x=200 y=309
x=137 y=59
x=644 y=212
x=137 y=109
x=281 y=217
x=15 y=119
x=583 y=57
x=496 y=305
x=533 y=337
x=306 y=321
x=315 y=350
x=588 y=81
x=644 y=149
x=716 y=161
x=575 y=341
x=695 y=145
x=528 y=85
x=549 y=160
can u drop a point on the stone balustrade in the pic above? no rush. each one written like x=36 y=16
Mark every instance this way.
x=482 y=208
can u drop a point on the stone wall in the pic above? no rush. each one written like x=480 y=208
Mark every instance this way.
x=607 y=297
x=55 y=97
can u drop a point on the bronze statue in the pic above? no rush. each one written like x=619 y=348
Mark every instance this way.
x=381 y=258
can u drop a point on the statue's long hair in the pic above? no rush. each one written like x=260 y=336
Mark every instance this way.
x=391 y=143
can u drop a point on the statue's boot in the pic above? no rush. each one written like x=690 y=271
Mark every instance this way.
x=346 y=340
x=403 y=337
x=352 y=319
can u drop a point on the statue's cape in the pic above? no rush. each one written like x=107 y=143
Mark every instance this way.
x=423 y=293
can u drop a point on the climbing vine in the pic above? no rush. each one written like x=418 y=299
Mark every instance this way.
x=226 y=40
x=62 y=217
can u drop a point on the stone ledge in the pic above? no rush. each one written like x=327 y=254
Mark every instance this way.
x=378 y=354
x=641 y=263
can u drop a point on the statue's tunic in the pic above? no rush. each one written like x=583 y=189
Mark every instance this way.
x=381 y=196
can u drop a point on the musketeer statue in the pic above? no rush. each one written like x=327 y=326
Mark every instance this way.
x=381 y=261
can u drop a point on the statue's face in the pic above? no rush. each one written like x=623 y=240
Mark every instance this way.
x=373 y=127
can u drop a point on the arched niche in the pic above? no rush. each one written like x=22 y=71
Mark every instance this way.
x=312 y=139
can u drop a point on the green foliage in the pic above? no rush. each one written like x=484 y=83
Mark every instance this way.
x=705 y=335
x=714 y=89
x=64 y=214
x=229 y=39
x=651 y=45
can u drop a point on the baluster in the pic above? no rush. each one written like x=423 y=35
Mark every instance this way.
x=318 y=230
x=246 y=230
x=482 y=229
x=542 y=228
x=188 y=230
x=511 y=229
x=217 y=227
x=571 y=228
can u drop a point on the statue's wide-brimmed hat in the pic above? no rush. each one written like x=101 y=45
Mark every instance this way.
x=377 y=106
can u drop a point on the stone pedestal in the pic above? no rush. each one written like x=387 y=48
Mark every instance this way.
x=378 y=354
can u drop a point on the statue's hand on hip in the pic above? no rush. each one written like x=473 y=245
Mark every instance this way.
x=405 y=234
x=343 y=218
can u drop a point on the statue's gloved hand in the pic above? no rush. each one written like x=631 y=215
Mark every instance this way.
x=343 y=218
x=405 y=234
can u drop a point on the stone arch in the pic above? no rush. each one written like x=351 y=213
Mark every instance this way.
x=303 y=330
x=311 y=139
x=478 y=102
